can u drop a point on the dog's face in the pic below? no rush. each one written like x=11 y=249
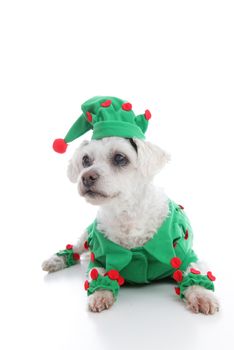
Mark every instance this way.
x=114 y=167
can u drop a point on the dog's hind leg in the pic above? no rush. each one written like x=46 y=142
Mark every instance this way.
x=67 y=257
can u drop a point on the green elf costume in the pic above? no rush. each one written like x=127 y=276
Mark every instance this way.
x=168 y=253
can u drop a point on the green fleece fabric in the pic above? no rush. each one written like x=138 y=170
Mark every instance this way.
x=68 y=254
x=107 y=116
x=152 y=261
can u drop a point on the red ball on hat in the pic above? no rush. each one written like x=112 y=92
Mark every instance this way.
x=59 y=146
x=186 y=234
x=106 y=103
x=147 y=114
x=89 y=116
x=127 y=106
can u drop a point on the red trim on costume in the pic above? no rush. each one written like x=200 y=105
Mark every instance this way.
x=211 y=276
x=113 y=274
x=178 y=276
x=176 y=262
x=86 y=246
x=195 y=272
x=94 y=274
x=86 y=285
x=92 y=257
x=76 y=256
x=121 y=280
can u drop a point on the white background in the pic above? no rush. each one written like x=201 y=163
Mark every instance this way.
x=175 y=58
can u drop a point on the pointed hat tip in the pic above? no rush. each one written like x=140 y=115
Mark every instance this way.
x=59 y=146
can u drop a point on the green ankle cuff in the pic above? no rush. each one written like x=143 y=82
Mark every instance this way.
x=193 y=279
x=71 y=258
x=103 y=282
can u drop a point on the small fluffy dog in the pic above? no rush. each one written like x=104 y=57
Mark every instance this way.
x=116 y=174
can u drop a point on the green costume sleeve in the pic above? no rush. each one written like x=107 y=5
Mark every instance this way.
x=103 y=282
x=195 y=279
x=71 y=258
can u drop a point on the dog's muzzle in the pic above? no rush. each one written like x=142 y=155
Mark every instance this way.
x=90 y=178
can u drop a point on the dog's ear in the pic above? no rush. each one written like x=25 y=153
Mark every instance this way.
x=73 y=168
x=72 y=171
x=151 y=158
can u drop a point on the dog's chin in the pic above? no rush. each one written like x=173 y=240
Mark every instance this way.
x=96 y=197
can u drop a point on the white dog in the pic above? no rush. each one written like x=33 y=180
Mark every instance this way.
x=116 y=174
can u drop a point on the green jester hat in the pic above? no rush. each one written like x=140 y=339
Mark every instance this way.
x=106 y=116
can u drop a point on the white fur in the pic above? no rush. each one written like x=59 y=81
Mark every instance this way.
x=131 y=208
x=198 y=298
x=101 y=300
x=134 y=220
x=56 y=263
x=135 y=209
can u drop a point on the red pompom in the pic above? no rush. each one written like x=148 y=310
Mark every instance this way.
x=177 y=290
x=120 y=280
x=59 y=146
x=127 y=106
x=86 y=246
x=69 y=246
x=86 y=285
x=113 y=274
x=211 y=276
x=178 y=276
x=195 y=272
x=147 y=114
x=76 y=256
x=89 y=117
x=94 y=274
x=92 y=257
x=176 y=262
x=106 y=103
x=186 y=235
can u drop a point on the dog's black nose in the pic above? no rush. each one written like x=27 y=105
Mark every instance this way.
x=89 y=178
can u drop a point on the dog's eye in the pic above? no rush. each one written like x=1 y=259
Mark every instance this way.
x=120 y=159
x=86 y=161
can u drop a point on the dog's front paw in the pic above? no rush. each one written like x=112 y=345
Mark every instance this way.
x=55 y=263
x=200 y=299
x=101 y=300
